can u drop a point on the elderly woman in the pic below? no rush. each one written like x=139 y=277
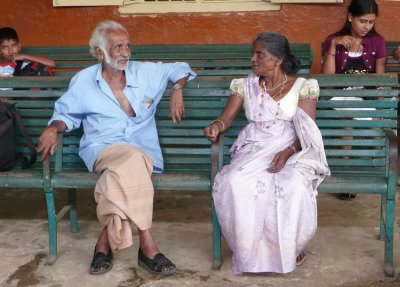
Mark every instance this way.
x=266 y=197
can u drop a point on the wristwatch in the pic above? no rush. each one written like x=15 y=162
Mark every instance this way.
x=177 y=87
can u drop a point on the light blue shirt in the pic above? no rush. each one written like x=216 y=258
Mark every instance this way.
x=90 y=101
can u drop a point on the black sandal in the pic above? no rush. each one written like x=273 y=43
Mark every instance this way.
x=101 y=263
x=160 y=265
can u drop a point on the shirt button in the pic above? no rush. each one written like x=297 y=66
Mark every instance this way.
x=260 y=114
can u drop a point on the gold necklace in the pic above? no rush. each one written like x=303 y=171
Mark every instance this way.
x=358 y=48
x=264 y=124
x=279 y=92
x=264 y=86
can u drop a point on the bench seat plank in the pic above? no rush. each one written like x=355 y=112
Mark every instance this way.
x=21 y=179
x=85 y=180
x=351 y=184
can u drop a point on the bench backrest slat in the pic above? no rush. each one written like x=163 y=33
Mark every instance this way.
x=206 y=60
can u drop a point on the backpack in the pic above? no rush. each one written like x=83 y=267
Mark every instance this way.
x=32 y=69
x=9 y=118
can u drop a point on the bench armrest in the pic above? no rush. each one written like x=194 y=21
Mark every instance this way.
x=217 y=156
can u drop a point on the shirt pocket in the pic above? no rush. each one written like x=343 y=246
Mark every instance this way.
x=148 y=104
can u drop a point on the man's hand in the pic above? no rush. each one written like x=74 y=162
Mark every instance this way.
x=48 y=142
x=176 y=106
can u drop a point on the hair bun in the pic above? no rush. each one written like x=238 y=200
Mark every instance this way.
x=291 y=65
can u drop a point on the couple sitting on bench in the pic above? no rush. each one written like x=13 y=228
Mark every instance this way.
x=276 y=166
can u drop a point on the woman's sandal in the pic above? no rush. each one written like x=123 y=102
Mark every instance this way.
x=347 y=196
x=101 y=263
x=301 y=258
x=160 y=265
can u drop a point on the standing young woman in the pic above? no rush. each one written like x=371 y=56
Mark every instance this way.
x=356 y=49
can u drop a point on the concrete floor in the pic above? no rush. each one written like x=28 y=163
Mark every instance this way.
x=345 y=251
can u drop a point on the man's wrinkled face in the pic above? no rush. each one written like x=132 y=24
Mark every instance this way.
x=9 y=48
x=118 y=50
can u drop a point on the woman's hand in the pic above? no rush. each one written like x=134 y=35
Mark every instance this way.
x=280 y=160
x=212 y=131
x=347 y=41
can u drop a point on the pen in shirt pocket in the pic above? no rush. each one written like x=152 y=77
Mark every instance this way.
x=148 y=103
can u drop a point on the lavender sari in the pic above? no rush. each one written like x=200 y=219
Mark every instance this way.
x=267 y=218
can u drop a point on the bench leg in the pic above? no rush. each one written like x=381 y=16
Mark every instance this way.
x=389 y=224
x=73 y=216
x=52 y=219
x=382 y=229
x=217 y=261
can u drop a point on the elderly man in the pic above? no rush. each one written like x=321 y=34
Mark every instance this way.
x=116 y=101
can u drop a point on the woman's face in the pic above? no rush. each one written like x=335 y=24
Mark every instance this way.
x=263 y=62
x=361 y=25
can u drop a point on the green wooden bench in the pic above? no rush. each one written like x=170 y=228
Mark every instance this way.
x=191 y=162
x=206 y=60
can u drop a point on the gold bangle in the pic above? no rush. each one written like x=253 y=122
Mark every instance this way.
x=219 y=121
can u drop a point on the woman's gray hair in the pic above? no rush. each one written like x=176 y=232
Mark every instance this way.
x=278 y=46
x=98 y=38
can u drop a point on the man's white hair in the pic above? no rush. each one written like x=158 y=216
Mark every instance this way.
x=98 y=38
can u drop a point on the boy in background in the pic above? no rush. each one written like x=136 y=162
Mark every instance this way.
x=13 y=63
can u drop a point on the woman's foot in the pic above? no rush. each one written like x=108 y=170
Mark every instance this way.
x=301 y=258
x=347 y=196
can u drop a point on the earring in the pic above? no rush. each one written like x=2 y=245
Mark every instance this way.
x=350 y=20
